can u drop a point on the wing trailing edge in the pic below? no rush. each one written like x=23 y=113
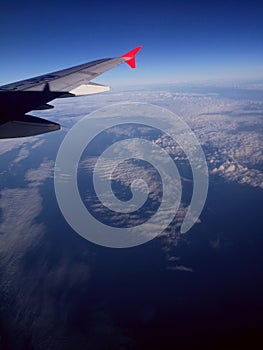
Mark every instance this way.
x=89 y=89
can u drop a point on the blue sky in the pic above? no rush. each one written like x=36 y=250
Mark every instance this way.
x=182 y=40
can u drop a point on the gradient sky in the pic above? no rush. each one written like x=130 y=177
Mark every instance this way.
x=182 y=40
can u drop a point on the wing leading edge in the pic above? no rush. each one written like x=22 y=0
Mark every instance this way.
x=19 y=98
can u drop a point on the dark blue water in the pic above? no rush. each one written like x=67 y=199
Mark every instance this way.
x=132 y=293
x=87 y=296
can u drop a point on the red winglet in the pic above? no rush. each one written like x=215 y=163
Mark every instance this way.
x=130 y=57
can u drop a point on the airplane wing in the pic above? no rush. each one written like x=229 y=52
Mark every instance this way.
x=19 y=98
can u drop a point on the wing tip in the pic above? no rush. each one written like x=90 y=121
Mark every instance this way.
x=129 y=57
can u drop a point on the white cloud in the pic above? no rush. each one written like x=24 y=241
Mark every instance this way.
x=23 y=154
x=19 y=230
x=180 y=268
x=8 y=145
x=36 y=177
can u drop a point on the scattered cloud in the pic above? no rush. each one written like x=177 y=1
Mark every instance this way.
x=23 y=154
x=36 y=177
x=180 y=268
x=25 y=143
x=19 y=230
x=230 y=130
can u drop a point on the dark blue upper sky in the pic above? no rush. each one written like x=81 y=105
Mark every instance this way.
x=182 y=40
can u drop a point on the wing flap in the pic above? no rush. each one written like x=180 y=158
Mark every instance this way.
x=89 y=89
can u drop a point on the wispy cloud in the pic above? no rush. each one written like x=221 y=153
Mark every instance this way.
x=19 y=230
x=36 y=177
x=23 y=154
x=26 y=143
x=180 y=268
